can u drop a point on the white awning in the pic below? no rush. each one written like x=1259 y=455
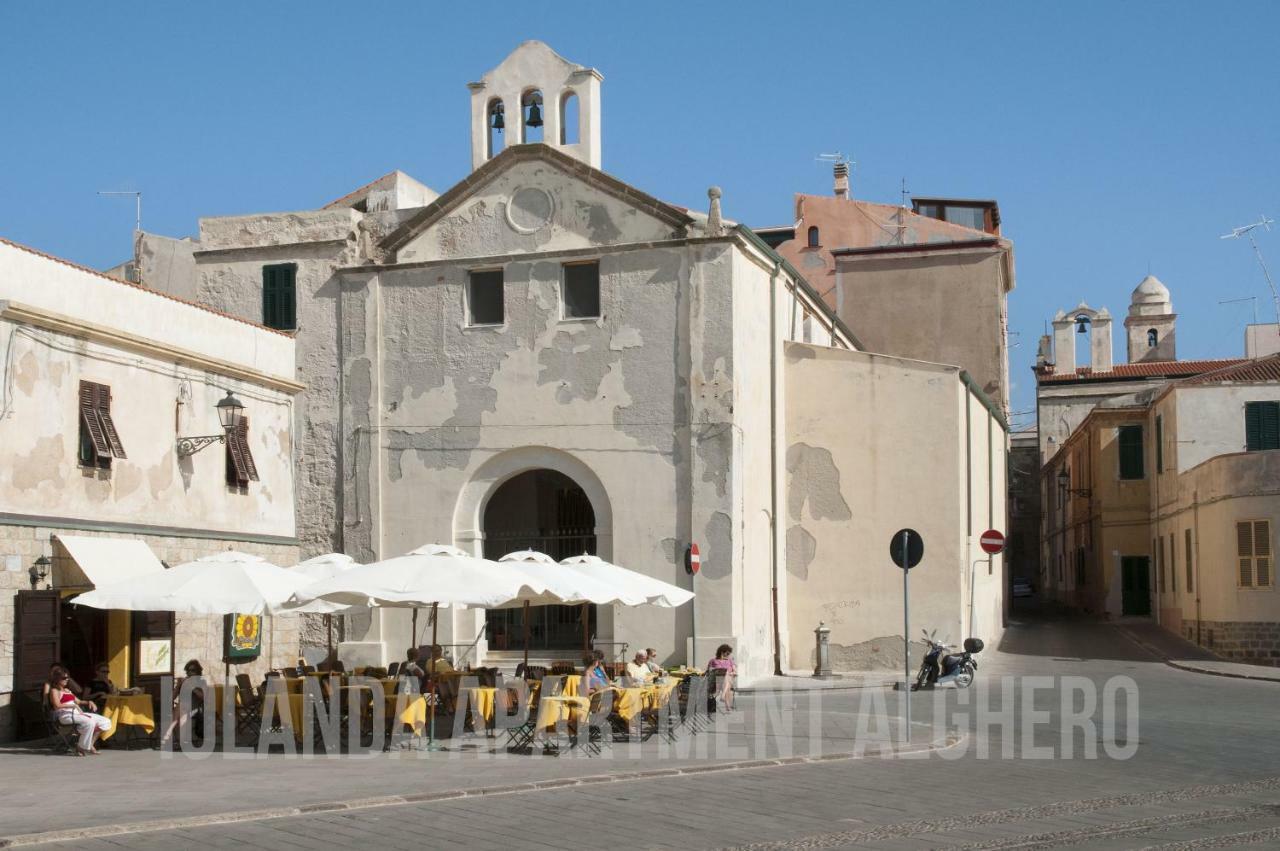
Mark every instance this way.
x=95 y=562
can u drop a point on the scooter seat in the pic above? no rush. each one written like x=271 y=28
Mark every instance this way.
x=950 y=661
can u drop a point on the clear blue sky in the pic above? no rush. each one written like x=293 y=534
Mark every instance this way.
x=1116 y=136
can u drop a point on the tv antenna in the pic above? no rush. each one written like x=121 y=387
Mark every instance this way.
x=1250 y=298
x=1247 y=230
x=834 y=157
x=137 y=198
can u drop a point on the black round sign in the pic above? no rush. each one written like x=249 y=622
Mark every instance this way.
x=906 y=548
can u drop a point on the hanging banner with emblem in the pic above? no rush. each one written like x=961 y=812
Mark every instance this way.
x=243 y=637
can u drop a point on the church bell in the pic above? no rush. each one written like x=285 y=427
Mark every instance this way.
x=535 y=115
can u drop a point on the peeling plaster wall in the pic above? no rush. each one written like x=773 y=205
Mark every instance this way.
x=874 y=444
x=40 y=472
x=532 y=206
x=229 y=269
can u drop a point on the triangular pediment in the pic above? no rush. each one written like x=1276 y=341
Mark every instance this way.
x=533 y=198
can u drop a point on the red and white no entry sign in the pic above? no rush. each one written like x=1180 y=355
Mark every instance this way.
x=992 y=541
x=692 y=559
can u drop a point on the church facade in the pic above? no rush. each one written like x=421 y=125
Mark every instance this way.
x=545 y=357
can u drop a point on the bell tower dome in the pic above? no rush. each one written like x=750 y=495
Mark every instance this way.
x=536 y=95
x=1150 y=323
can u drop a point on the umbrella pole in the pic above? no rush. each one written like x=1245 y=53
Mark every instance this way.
x=586 y=631
x=414 y=628
x=431 y=677
x=526 y=638
x=328 y=619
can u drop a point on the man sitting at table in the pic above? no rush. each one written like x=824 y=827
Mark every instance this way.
x=101 y=687
x=439 y=664
x=410 y=667
x=638 y=668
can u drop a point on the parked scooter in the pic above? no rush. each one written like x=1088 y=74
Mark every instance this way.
x=941 y=668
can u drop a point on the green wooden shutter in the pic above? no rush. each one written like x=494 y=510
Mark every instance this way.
x=1252 y=426
x=1130 y=439
x=1270 y=425
x=287 y=296
x=269 y=296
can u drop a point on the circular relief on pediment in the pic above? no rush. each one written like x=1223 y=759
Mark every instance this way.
x=530 y=209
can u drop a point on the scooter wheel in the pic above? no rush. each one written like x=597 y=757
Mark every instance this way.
x=964 y=678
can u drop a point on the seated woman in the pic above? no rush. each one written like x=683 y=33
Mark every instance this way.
x=594 y=677
x=194 y=711
x=69 y=709
x=101 y=687
x=723 y=667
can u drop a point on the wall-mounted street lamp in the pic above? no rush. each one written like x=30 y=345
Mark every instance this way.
x=1064 y=485
x=39 y=571
x=230 y=413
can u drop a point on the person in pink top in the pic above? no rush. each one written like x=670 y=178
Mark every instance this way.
x=723 y=667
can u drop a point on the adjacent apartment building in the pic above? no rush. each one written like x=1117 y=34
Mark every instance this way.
x=102 y=382
x=1166 y=503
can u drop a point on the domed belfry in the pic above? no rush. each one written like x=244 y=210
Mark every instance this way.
x=1150 y=323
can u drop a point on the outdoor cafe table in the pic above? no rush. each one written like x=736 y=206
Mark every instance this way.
x=409 y=709
x=554 y=709
x=134 y=710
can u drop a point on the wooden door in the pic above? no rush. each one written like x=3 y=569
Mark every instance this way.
x=37 y=616
x=1135 y=585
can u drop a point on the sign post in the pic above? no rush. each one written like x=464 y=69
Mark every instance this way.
x=906 y=548
x=992 y=542
x=692 y=564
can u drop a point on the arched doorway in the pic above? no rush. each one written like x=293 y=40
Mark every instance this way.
x=543 y=510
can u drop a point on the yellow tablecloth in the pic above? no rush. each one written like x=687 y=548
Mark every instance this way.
x=134 y=710
x=553 y=710
x=219 y=689
x=628 y=703
x=407 y=711
x=572 y=684
x=482 y=700
x=296 y=702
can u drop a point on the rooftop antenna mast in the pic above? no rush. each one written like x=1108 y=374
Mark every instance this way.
x=1247 y=230
x=137 y=198
x=1250 y=298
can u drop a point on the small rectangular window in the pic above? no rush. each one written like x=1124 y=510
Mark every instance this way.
x=581 y=290
x=240 y=467
x=279 y=296
x=1130 y=439
x=1253 y=551
x=99 y=440
x=1159 y=444
x=484 y=298
x=1261 y=426
x=1161 y=583
x=1186 y=548
x=1173 y=565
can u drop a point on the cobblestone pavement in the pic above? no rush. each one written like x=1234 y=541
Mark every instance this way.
x=1205 y=774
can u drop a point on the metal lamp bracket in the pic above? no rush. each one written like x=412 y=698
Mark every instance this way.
x=188 y=446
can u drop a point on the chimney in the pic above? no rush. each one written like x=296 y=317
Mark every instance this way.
x=842 y=180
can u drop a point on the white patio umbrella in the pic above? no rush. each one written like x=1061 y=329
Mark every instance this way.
x=434 y=575
x=221 y=584
x=562 y=587
x=225 y=583
x=655 y=592
x=316 y=569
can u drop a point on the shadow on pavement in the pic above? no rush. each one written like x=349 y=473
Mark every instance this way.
x=1044 y=628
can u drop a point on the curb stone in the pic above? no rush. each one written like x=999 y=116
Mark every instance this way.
x=108 y=830
x=1190 y=667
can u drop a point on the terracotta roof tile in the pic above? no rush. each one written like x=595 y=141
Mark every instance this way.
x=1152 y=369
x=1260 y=369
x=123 y=282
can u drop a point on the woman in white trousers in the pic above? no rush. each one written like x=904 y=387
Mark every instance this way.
x=68 y=709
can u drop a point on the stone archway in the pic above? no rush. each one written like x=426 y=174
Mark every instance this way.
x=523 y=483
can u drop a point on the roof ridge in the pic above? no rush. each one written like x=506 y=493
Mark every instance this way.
x=53 y=257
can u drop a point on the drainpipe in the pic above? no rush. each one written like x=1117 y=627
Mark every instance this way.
x=1195 y=526
x=1155 y=545
x=773 y=460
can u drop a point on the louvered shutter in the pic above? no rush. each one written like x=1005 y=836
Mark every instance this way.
x=89 y=417
x=237 y=471
x=242 y=436
x=270 y=303
x=1186 y=545
x=1262 y=553
x=1270 y=425
x=103 y=406
x=1244 y=551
